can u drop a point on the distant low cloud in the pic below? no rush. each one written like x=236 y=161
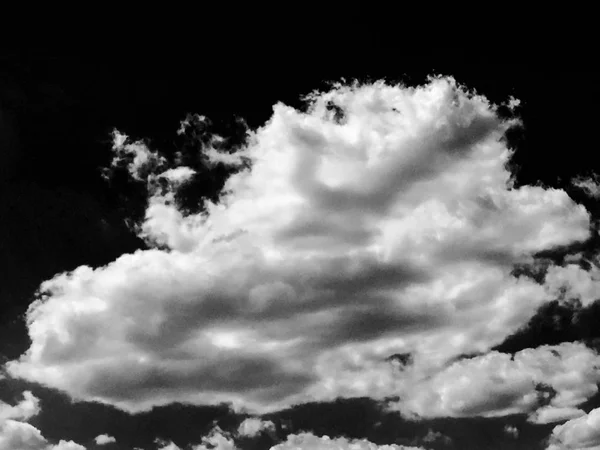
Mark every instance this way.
x=104 y=439
x=308 y=441
x=577 y=434
x=385 y=224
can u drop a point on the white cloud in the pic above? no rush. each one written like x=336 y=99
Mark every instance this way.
x=104 y=439
x=575 y=282
x=24 y=410
x=21 y=435
x=590 y=185
x=511 y=431
x=16 y=434
x=394 y=231
x=436 y=436
x=577 y=434
x=216 y=440
x=495 y=385
x=163 y=445
x=141 y=161
x=67 y=445
x=252 y=426
x=308 y=441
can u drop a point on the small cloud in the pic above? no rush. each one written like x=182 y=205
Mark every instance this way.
x=308 y=441
x=436 y=436
x=498 y=384
x=513 y=103
x=104 y=439
x=16 y=434
x=24 y=410
x=217 y=439
x=511 y=431
x=552 y=414
x=253 y=426
x=166 y=445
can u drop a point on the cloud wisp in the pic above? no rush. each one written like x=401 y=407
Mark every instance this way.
x=385 y=224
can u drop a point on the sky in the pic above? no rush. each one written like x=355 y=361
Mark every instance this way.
x=291 y=257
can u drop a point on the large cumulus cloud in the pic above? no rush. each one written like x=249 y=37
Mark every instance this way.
x=385 y=223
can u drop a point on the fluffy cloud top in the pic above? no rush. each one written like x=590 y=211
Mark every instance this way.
x=388 y=224
x=104 y=439
x=577 y=434
x=306 y=441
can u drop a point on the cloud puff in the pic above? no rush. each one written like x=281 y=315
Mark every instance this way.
x=104 y=439
x=498 y=384
x=21 y=435
x=217 y=439
x=24 y=410
x=16 y=434
x=574 y=282
x=252 y=426
x=436 y=436
x=306 y=441
x=589 y=185
x=388 y=224
x=552 y=414
x=580 y=433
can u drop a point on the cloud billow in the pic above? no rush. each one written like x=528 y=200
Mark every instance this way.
x=387 y=225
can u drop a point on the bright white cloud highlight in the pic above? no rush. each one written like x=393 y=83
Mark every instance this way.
x=392 y=230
